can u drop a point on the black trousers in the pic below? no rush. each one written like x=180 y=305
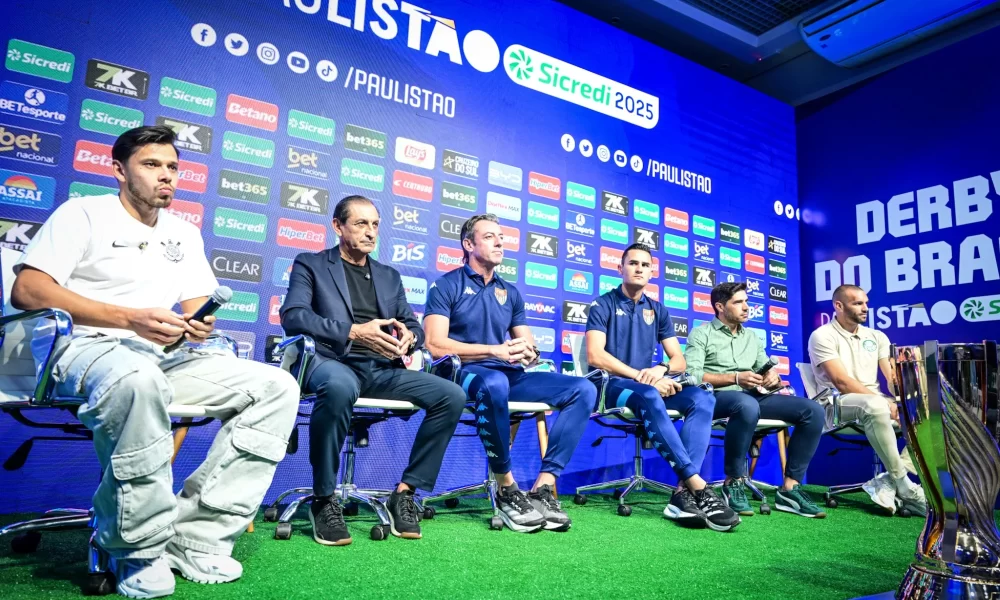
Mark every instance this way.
x=338 y=385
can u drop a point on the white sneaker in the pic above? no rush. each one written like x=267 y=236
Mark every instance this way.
x=143 y=578
x=911 y=497
x=202 y=567
x=882 y=491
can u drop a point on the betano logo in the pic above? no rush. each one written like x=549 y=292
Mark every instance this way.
x=560 y=79
x=255 y=113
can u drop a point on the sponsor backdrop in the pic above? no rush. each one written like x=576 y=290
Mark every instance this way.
x=580 y=138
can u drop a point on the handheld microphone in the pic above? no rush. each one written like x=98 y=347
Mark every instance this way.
x=221 y=296
x=770 y=364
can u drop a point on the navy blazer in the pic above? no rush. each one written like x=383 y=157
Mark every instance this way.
x=318 y=302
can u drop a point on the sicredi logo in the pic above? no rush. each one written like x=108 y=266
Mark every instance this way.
x=243 y=186
x=190 y=212
x=543 y=244
x=675 y=271
x=777 y=292
x=578 y=281
x=248 y=149
x=365 y=141
x=282 y=272
x=580 y=223
x=251 y=112
x=409 y=254
x=704 y=227
x=704 y=277
x=544 y=186
x=413 y=186
x=505 y=176
x=579 y=252
x=16 y=235
x=238 y=266
x=362 y=174
x=186 y=96
x=614 y=203
x=310 y=163
x=414 y=153
x=545 y=338
x=189 y=136
x=778 y=341
x=40 y=61
x=117 y=79
x=681 y=326
x=648 y=237
x=614 y=231
x=511 y=238
x=239 y=225
x=410 y=218
x=33 y=102
x=581 y=195
x=729 y=257
x=676 y=219
x=459 y=196
x=448 y=259
x=675 y=298
x=703 y=251
x=753 y=263
x=101 y=117
x=755 y=287
x=192 y=177
x=91 y=157
x=753 y=240
x=241 y=307
x=703 y=303
x=415 y=288
x=675 y=245
x=450 y=227
x=756 y=312
x=646 y=212
x=508 y=269
x=539 y=275
x=26 y=189
x=543 y=215
x=729 y=233
x=777 y=268
x=274 y=315
x=314 y=128
x=503 y=206
x=776 y=245
x=79 y=190
x=540 y=308
x=778 y=315
x=575 y=312
x=28 y=145
x=461 y=165
x=975 y=309
x=299 y=234
x=305 y=198
x=606 y=283
x=611 y=258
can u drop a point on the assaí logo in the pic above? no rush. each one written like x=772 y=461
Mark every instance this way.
x=478 y=48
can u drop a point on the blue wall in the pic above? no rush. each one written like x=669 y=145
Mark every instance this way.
x=691 y=143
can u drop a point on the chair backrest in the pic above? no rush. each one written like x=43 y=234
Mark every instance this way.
x=578 y=350
x=17 y=367
x=7 y=259
x=808 y=378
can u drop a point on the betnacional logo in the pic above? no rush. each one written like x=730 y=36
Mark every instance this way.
x=579 y=252
x=311 y=163
x=251 y=112
x=413 y=186
x=755 y=287
x=703 y=251
x=414 y=153
x=778 y=315
x=190 y=212
x=26 y=189
x=544 y=186
x=448 y=259
x=410 y=218
x=299 y=234
x=778 y=341
x=28 y=145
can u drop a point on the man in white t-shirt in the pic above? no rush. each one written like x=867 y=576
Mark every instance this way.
x=118 y=265
x=847 y=356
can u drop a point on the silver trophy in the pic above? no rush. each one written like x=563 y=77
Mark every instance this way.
x=948 y=407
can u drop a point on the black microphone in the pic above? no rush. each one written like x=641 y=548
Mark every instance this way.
x=221 y=296
x=368 y=275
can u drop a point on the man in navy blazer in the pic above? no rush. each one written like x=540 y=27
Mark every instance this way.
x=356 y=310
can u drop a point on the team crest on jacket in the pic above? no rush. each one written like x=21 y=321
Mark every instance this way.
x=648 y=315
x=501 y=295
x=172 y=251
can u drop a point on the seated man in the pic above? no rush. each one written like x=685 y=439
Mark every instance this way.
x=469 y=312
x=623 y=330
x=118 y=265
x=723 y=353
x=356 y=310
x=847 y=356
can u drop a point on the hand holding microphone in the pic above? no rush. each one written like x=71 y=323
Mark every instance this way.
x=200 y=324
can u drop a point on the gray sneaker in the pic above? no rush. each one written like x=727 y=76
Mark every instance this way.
x=544 y=501
x=517 y=512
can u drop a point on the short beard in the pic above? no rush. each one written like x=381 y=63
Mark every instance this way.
x=152 y=202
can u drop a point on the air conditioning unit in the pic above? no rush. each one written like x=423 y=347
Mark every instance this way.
x=854 y=32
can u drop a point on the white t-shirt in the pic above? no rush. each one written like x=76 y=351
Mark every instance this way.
x=859 y=352
x=93 y=247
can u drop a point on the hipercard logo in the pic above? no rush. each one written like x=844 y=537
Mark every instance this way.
x=117 y=79
x=40 y=61
x=239 y=225
x=26 y=189
x=417 y=154
x=461 y=165
x=251 y=112
x=505 y=176
x=33 y=103
x=311 y=163
x=299 y=234
x=544 y=186
x=189 y=136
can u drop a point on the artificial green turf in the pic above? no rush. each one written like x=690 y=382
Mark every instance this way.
x=857 y=550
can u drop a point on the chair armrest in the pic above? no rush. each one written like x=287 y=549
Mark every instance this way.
x=426 y=360
x=446 y=367
x=43 y=373
x=600 y=378
x=295 y=353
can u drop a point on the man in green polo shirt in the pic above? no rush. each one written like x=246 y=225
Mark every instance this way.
x=725 y=354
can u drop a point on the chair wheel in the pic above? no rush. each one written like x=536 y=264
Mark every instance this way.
x=831 y=503
x=451 y=503
x=98 y=584
x=429 y=512
x=378 y=533
x=271 y=514
x=496 y=523
x=579 y=499
x=765 y=509
x=905 y=513
x=283 y=531
x=26 y=543
x=617 y=494
x=624 y=510
x=351 y=509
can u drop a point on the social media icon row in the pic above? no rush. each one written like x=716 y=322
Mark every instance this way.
x=568 y=143
x=236 y=44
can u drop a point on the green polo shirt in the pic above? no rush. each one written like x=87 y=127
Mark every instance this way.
x=713 y=348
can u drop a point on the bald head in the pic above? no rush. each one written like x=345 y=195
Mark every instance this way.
x=841 y=293
x=850 y=302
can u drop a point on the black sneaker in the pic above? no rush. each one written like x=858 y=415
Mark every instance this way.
x=718 y=515
x=517 y=512
x=544 y=501
x=403 y=520
x=683 y=509
x=327 y=518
